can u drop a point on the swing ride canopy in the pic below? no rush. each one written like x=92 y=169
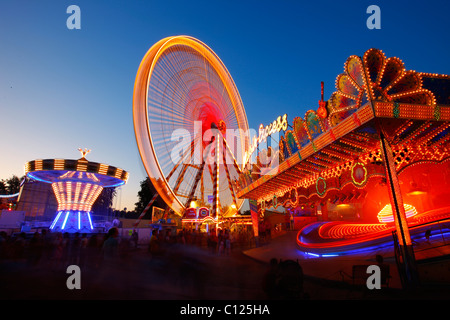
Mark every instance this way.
x=81 y=170
x=76 y=185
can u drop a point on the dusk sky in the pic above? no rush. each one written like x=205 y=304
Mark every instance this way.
x=63 y=89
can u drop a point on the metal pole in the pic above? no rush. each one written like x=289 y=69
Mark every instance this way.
x=216 y=206
x=198 y=176
x=398 y=210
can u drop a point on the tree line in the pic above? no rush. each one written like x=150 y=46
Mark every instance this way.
x=10 y=185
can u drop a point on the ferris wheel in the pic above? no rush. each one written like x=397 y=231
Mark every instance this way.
x=190 y=125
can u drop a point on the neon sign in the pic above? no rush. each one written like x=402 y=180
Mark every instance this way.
x=276 y=126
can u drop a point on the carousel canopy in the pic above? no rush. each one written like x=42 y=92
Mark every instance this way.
x=81 y=170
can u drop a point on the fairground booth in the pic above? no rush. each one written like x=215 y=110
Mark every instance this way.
x=366 y=168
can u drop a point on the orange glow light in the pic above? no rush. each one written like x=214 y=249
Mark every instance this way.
x=386 y=214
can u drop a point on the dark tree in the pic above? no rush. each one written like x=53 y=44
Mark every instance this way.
x=144 y=197
x=104 y=202
x=3 y=189
x=11 y=185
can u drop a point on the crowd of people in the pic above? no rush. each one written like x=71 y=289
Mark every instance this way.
x=58 y=250
x=184 y=255
x=220 y=242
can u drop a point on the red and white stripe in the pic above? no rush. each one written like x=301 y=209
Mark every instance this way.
x=146 y=209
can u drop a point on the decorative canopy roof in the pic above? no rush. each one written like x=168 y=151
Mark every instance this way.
x=374 y=94
x=53 y=170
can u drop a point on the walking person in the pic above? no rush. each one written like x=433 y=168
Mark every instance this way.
x=227 y=242
x=58 y=251
x=110 y=246
x=135 y=238
x=153 y=246
x=220 y=242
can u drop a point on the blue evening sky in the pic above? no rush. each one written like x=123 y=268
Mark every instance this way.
x=62 y=89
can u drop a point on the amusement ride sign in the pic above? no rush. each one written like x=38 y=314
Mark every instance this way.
x=276 y=126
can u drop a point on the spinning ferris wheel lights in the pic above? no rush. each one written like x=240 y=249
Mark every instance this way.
x=183 y=87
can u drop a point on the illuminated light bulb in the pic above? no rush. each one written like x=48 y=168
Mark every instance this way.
x=59 y=164
x=118 y=173
x=103 y=169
